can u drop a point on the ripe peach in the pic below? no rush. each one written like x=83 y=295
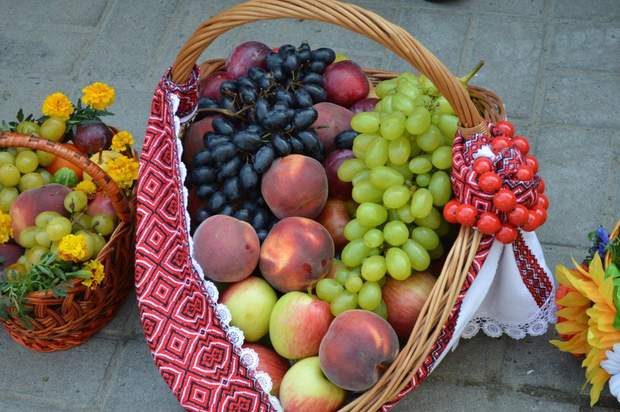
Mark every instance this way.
x=271 y=363
x=30 y=203
x=334 y=218
x=295 y=185
x=296 y=254
x=194 y=139
x=358 y=347
x=226 y=248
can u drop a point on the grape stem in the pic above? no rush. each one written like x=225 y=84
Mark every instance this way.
x=465 y=79
x=223 y=111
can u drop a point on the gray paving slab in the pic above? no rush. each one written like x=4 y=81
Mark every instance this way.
x=53 y=12
x=587 y=10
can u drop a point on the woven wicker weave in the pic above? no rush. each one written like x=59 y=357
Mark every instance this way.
x=60 y=323
x=473 y=105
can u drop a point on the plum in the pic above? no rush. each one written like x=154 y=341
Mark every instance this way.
x=210 y=85
x=345 y=83
x=92 y=138
x=245 y=56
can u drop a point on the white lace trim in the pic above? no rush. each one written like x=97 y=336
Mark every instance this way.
x=247 y=356
x=536 y=326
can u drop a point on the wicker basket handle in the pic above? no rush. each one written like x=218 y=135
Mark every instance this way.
x=104 y=182
x=345 y=15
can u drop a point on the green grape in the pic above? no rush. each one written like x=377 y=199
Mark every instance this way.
x=418 y=121
x=377 y=153
x=383 y=177
x=402 y=169
x=6 y=158
x=415 y=149
x=395 y=233
x=373 y=238
x=364 y=191
x=409 y=77
x=418 y=256
x=83 y=221
x=354 y=230
x=47 y=176
x=58 y=227
x=369 y=296
x=381 y=310
x=425 y=237
x=374 y=252
x=424 y=101
x=354 y=253
x=448 y=125
x=7 y=197
x=430 y=140
x=371 y=214
x=435 y=119
x=26 y=161
x=437 y=252
x=360 y=144
x=396 y=197
x=374 y=268
x=443 y=106
x=341 y=275
x=427 y=86
x=409 y=90
x=365 y=122
x=423 y=180
x=349 y=168
x=379 y=107
x=397 y=263
x=100 y=242
x=404 y=214
x=103 y=224
x=42 y=238
x=403 y=103
x=27 y=127
x=90 y=243
x=440 y=187
x=431 y=221
x=53 y=129
x=345 y=301
x=419 y=165
x=442 y=157
x=386 y=105
x=30 y=181
x=44 y=218
x=54 y=247
x=356 y=271
x=9 y=175
x=361 y=175
x=443 y=229
x=421 y=203
x=328 y=289
x=382 y=281
x=399 y=151
x=27 y=238
x=76 y=201
x=392 y=125
x=45 y=158
x=354 y=284
x=386 y=88
x=34 y=254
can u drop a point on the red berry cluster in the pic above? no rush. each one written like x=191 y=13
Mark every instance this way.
x=508 y=214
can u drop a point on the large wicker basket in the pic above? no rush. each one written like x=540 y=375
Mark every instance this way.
x=197 y=353
x=61 y=323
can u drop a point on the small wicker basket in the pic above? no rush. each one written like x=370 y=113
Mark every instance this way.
x=61 y=323
x=187 y=376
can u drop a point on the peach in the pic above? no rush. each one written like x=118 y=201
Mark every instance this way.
x=271 y=363
x=296 y=254
x=295 y=185
x=194 y=139
x=227 y=249
x=30 y=203
x=358 y=347
x=334 y=218
x=332 y=119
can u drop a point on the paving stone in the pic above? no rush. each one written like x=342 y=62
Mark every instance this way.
x=435 y=395
x=53 y=12
x=573 y=47
x=124 y=323
x=575 y=164
x=584 y=100
x=519 y=8
x=137 y=382
x=29 y=405
x=587 y=10
x=511 y=401
x=563 y=255
x=512 y=63
x=73 y=376
x=132 y=109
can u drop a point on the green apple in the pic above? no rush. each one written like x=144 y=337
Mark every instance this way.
x=250 y=303
x=304 y=388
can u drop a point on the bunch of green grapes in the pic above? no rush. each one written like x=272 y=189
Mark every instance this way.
x=20 y=170
x=50 y=227
x=400 y=177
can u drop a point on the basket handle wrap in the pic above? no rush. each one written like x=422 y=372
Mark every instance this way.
x=345 y=15
x=103 y=181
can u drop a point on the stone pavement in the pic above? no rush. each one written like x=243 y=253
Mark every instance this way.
x=555 y=63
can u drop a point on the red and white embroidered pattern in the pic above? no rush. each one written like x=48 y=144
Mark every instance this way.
x=534 y=276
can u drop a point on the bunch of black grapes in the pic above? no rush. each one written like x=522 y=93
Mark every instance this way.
x=264 y=115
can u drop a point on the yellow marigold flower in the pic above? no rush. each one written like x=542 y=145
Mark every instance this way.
x=5 y=227
x=73 y=248
x=57 y=105
x=97 y=274
x=121 y=140
x=86 y=186
x=98 y=95
x=123 y=170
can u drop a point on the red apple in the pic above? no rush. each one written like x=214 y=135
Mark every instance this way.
x=331 y=121
x=245 y=56
x=345 y=83
x=404 y=300
x=101 y=204
x=334 y=218
x=337 y=188
x=365 y=105
x=210 y=85
x=271 y=363
x=298 y=323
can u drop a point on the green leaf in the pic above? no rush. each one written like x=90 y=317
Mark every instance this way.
x=20 y=115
